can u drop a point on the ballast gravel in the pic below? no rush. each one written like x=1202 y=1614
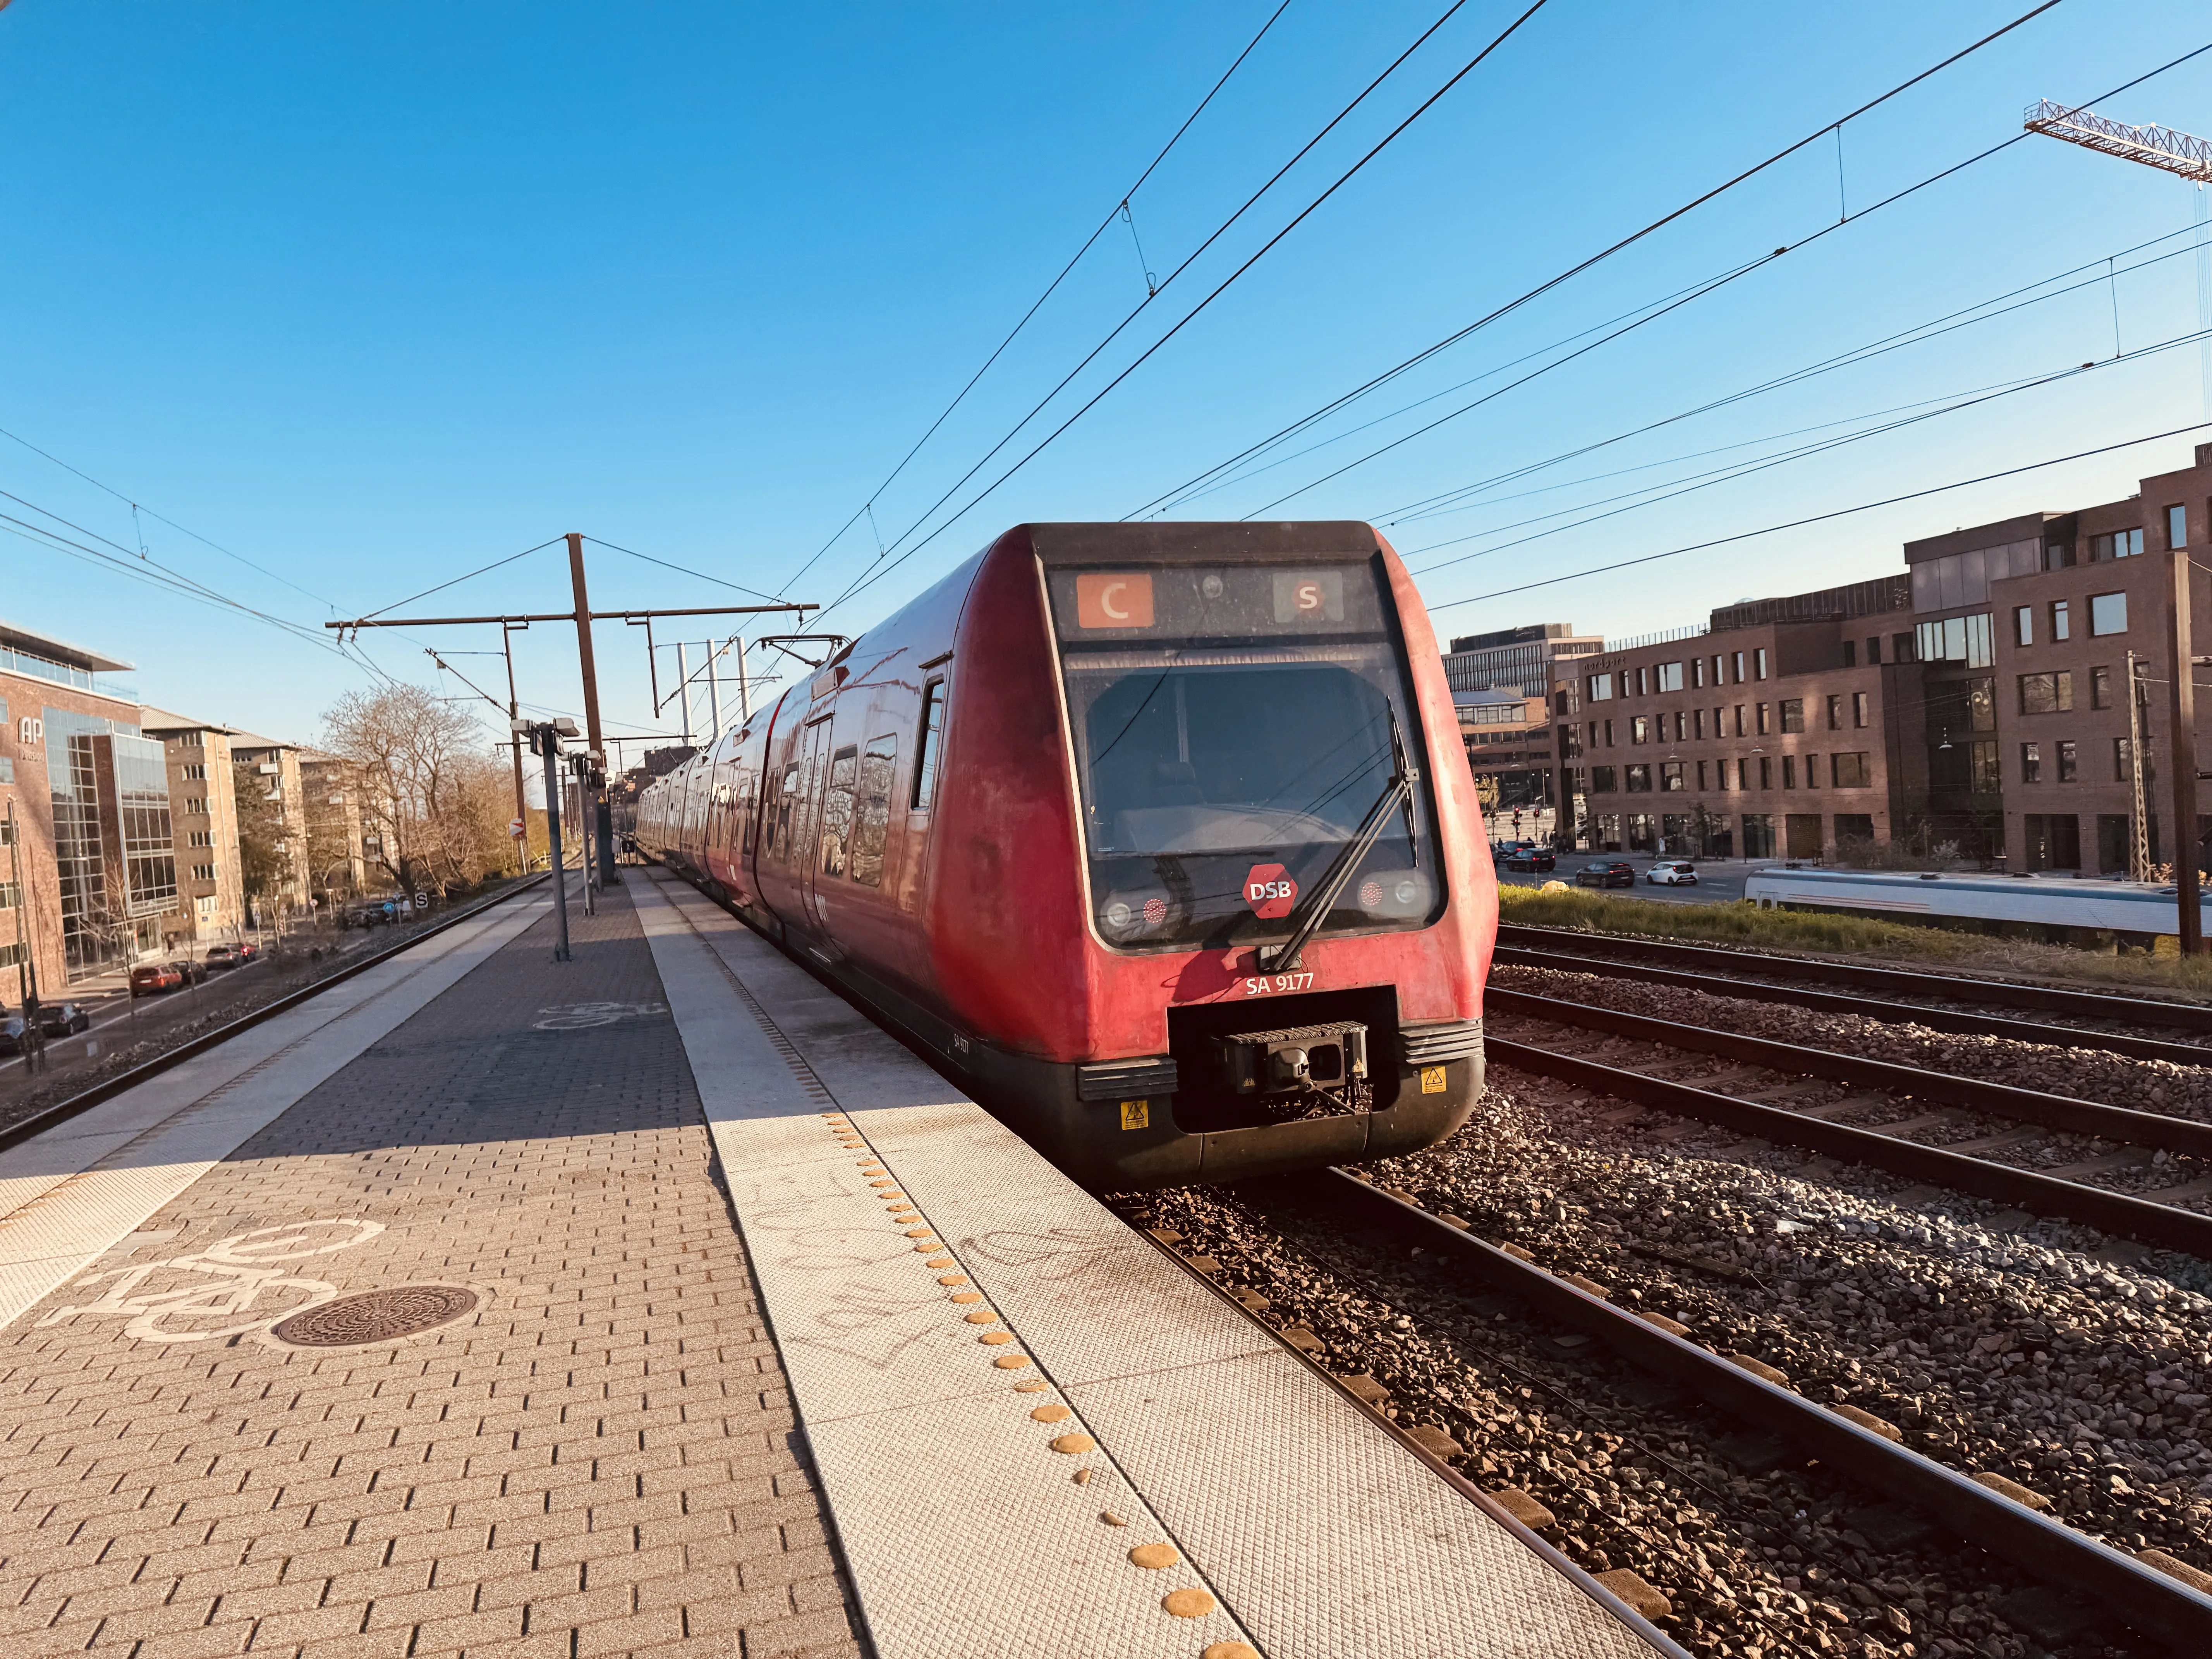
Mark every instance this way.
x=2039 y=1350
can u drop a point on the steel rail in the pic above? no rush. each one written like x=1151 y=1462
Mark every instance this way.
x=1841 y=1002
x=1898 y=981
x=2005 y=1100
x=2159 y=1224
x=2149 y=1601
x=85 y=1100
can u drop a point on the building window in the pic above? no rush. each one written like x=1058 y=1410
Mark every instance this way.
x=1982 y=778
x=1643 y=685
x=1735 y=667
x=1759 y=664
x=1599 y=688
x=1697 y=722
x=204 y=873
x=1812 y=771
x=1965 y=640
x=1851 y=654
x=1739 y=720
x=1874 y=651
x=2068 y=767
x=1758 y=835
x=1836 y=713
x=2058 y=556
x=2031 y=763
x=2047 y=694
x=1764 y=728
x=2108 y=614
x=2123 y=769
x=1670 y=777
x=2121 y=544
x=197 y=806
x=1696 y=673
x=1639 y=728
x=1789 y=771
x=1793 y=713
x=1852 y=771
x=2177 y=526
x=1669 y=676
x=2062 y=619
x=206 y=906
x=1702 y=785
x=202 y=838
x=2023 y=624
x=2100 y=687
x=1766 y=773
x=1639 y=780
x=196 y=773
x=1609 y=734
x=1901 y=647
x=1858 y=708
x=1604 y=780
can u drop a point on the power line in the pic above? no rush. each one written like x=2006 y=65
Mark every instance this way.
x=458 y=581
x=1050 y=288
x=136 y=508
x=686 y=570
x=1265 y=248
x=1822 y=518
x=1630 y=240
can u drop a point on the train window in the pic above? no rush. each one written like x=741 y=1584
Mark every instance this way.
x=837 y=809
x=779 y=838
x=927 y=744
x=879 y=766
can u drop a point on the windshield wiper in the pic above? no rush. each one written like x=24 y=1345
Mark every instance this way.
x=1313 y=909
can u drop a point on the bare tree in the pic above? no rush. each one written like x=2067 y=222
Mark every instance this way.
x=426 y=782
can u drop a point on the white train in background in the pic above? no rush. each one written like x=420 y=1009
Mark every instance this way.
x=2065 y=904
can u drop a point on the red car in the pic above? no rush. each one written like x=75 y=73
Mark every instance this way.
x=1160 y=835
x=153 y=977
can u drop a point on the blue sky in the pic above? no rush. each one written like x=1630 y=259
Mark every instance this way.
x=372 y=295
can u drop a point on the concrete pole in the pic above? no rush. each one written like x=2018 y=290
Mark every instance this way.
x=601 y=831
x=514 y=744
x=713 y=697
x=745 y=693
x=542 y=739
x=2181 y=760
x=683 y=690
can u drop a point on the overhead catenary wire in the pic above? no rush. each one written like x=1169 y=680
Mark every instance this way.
x=1823 y=518
x=1115 y=333
x=869 y=578
x=684 y=570
x=1051 y=288
x=481 y=570
x=1407 y=364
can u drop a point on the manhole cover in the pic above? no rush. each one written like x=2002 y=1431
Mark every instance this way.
x=375 y=1316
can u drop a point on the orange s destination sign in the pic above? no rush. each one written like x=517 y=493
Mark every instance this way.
x=1270 y=891
x=1113 y=599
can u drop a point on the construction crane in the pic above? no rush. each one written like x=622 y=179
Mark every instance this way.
x=2154 y=145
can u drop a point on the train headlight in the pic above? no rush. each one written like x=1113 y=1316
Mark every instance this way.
x=1125 y=917
x=1395 y=895
x=1116 y=916
x=1407 y=891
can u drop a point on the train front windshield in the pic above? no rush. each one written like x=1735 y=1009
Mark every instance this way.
x=1234 y=727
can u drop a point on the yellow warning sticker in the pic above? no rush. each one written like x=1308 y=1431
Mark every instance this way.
x=1136 y=1113
x=1432 y=1079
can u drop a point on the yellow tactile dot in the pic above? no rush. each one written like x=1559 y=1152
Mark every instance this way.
x=1051 y=1413
x=1230 y=1650
x=1074 y=1445
x=1011 y=1362
x=942 y=1261
x=966 y=1296
x=1035 y=1385
x=920 y=1232
x=994 y=1338
x=983 y=1316
x=1189 y=1603
x=904 y=1216
x=885 y=1182
x=954 y=1278
x=928 y=1249
x=1155 y=1555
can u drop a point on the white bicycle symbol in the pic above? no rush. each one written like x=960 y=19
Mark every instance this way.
x=230 y=1277
x=582 y=1016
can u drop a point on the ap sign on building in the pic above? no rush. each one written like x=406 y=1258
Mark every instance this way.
x=1270 y=891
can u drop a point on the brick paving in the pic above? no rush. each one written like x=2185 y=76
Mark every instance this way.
x=601 y=1461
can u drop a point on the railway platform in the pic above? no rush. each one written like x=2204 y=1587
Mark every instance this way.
x=657 y=1302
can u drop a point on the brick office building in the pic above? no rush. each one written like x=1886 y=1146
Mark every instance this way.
x=1501 y=685
x=91 y=875
x=1770 y=731
x=2027 y=625
x=204 y=814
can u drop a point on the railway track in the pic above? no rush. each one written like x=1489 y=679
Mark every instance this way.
x=1750 y=1094
x=1909 y=1495
x=1890 y=995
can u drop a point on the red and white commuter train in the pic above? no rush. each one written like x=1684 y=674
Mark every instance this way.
x=1159 y=837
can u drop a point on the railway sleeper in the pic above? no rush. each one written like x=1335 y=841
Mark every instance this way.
x=2141 y=1592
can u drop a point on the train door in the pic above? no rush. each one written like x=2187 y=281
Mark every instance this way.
x=805 y=848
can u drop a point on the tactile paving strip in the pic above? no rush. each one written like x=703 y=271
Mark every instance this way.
x=1300 y=1525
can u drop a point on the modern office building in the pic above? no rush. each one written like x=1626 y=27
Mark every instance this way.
x=91 y=871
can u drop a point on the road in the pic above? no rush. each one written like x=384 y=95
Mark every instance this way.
x=1718 y=881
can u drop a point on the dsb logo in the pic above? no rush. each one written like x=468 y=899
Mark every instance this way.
x=1270 y=891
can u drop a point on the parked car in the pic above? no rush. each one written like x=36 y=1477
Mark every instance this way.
x=61 y=1019
x=1531 y=858
x=246 y=949
x=14 y=1033
x=152 y=978
x=1674 y=872
x=1611 y=873
x=220 y=956
x=193 y=972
